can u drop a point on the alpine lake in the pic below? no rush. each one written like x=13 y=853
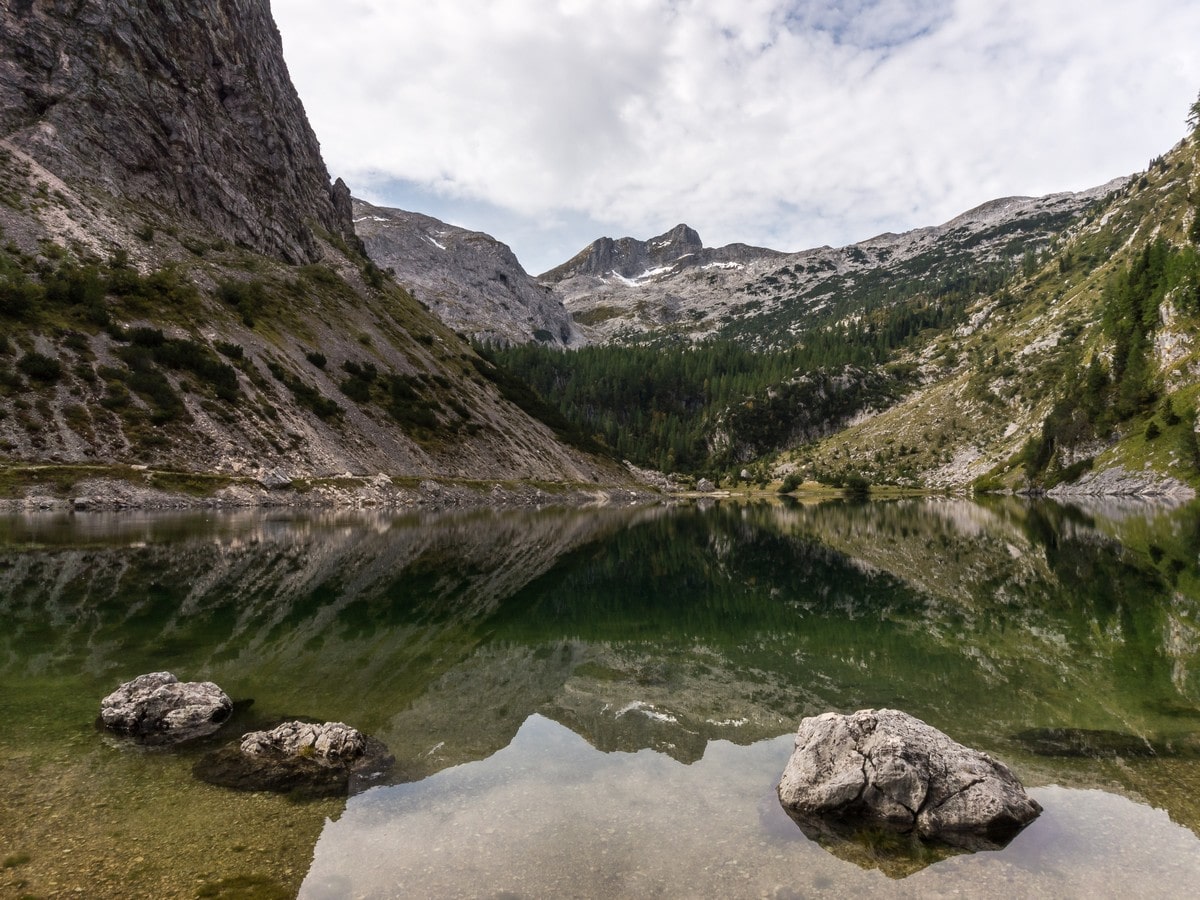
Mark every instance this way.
x=600 y=702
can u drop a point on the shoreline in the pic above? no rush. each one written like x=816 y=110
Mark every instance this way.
x=73 y=488
x=62 y=487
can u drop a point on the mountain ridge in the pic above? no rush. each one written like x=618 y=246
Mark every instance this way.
x=634 y=261
x=1057 y=346
x=1029 y=344
x=723 y=291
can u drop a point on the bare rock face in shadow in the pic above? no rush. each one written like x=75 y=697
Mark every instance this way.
x=878 y=771
x=158 y=708
x=304 y=759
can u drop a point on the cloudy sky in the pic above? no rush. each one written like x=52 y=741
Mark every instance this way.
x=782 y=123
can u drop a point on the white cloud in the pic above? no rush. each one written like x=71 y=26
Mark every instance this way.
x=788 y=124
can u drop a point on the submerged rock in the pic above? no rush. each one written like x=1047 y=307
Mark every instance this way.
x=885 y=768
x=301 y=758
x=159 y=708
x=1089 y=742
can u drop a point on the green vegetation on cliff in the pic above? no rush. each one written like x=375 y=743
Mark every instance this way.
x=1097 y=400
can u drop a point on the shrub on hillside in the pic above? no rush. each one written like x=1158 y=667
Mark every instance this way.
x=40 y=367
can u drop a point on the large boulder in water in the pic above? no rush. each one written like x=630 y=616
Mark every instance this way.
x=887 y=768
x=301 y=758
x=159 y=708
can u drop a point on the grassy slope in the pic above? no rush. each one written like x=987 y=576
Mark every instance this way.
x=445 y=418
x=988 y=386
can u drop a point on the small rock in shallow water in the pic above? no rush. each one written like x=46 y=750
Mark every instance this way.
x=300 y=758
x=159 y=708
x=333 y=743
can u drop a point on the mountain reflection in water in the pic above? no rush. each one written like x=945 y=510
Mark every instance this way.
x=550 y=816
x=655 y=636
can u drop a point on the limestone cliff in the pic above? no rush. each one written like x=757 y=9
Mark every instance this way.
x=185 y=106
x=472 y=281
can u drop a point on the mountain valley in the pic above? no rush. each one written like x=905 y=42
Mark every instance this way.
x=190 y=306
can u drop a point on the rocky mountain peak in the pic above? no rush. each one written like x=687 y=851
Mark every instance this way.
x=631 y=260
x=186 y=108
x=679 y=240
x=629 y=257
x=619 y=290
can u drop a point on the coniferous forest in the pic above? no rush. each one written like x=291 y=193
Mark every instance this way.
x=706 y=408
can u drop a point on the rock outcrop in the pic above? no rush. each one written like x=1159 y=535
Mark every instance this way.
x=887 y=768
x=301 y=758
x=1118 y=481
x=472 y=281
x=158 y=708
x=185 y=107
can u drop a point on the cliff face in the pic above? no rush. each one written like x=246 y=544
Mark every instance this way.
x=187 y=107
x=472 y=281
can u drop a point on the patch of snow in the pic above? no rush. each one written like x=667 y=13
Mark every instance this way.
x=654 y=273
x=646 y=710
x=638 y=280
x=722 y=265
x=435 y=243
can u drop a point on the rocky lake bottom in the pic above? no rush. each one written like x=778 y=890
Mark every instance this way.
x=600 y=702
